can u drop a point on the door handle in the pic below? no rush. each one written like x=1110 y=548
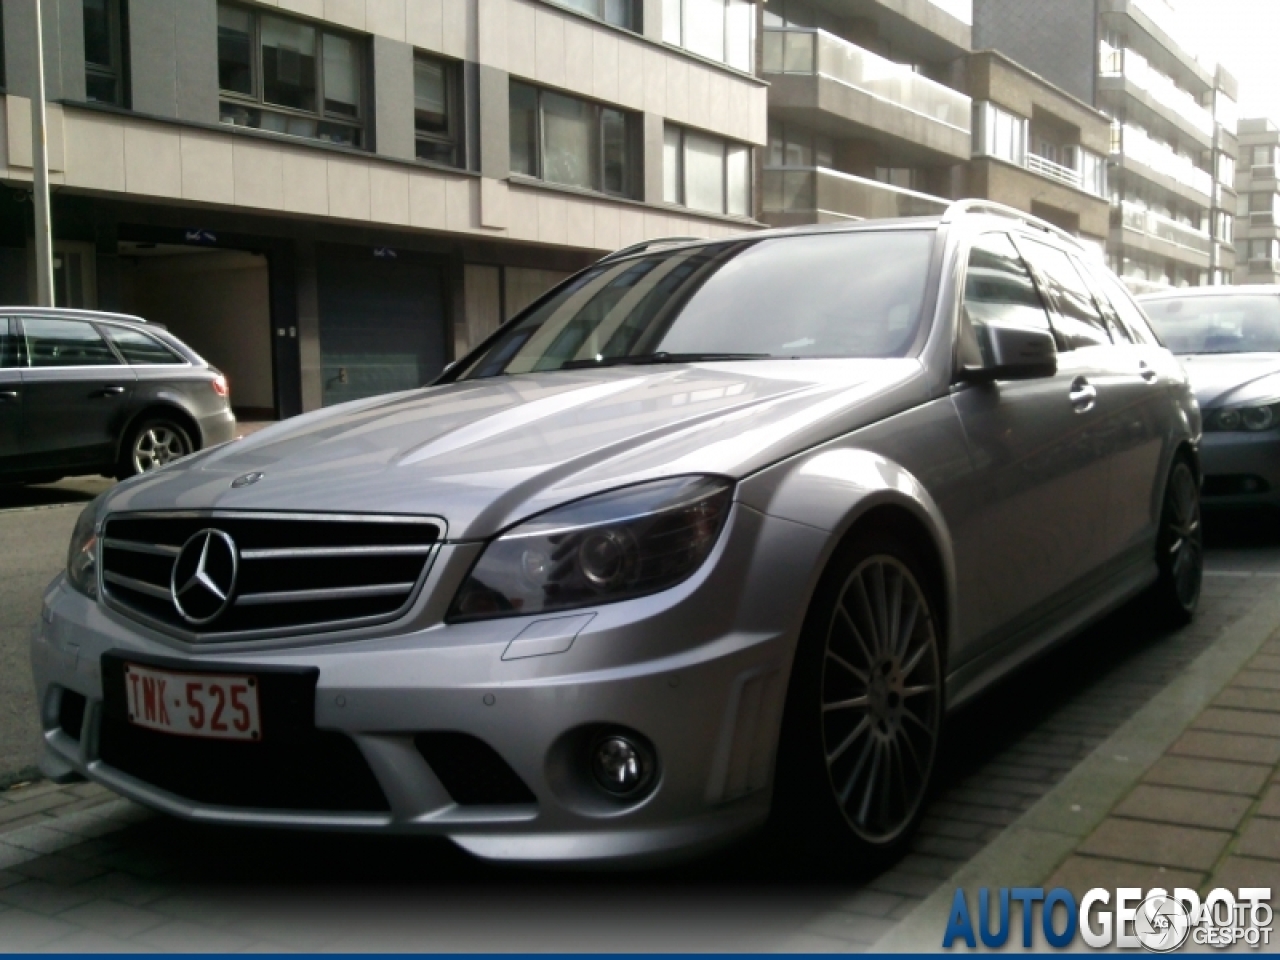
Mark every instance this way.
x=111 y=391
x=1146 y=373
x=1083 y=395
x=8 y=394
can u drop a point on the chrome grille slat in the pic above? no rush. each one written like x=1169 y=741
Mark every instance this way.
x=286 y=573
x=298 y=553
x=150 y=589
x=155 y=549
x=339 y=593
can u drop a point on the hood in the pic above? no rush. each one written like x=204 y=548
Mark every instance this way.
x=484 y=454
x=1230 y=379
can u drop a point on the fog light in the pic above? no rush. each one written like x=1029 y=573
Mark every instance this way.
x=621 y=767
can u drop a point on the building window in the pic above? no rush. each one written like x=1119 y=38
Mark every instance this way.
x=1263 y=202
x=706 y=173
x=290 y=77
x=574 y=142
x=621 y=13
x=722 y=30
x=1224 y=226
x=999 y=133
x=104 y=80
x=792 y=146
x=1264 y=156
x=1264 y=249
x=1226 y=168
x=435 y=111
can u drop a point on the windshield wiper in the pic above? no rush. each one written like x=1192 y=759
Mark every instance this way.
x=661 y=356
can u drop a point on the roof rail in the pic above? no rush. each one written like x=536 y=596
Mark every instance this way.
x=74 y=312
x=1001 y=210
x=644 y=245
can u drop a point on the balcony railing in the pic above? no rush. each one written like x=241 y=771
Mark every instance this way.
x=820 y=190
x=1153 y=224
x=816 y=52
x=1135 y=144
x=1119 y=61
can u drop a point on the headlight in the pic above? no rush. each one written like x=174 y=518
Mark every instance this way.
x=1253 y=419
x=613 y=546
x=82 y=554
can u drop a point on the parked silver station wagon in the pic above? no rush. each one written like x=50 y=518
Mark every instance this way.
x=712 y=536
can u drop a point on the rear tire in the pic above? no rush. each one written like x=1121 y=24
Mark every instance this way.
x=1179 y=548
x=864 y=711
x=152 y=443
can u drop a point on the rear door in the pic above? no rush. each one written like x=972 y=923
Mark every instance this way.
x=10 y=398
x=1141 y=372
x=1041 y=469
x=77 y=393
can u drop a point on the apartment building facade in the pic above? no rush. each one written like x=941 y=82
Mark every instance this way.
x=331 y=199
x=1258 y=186
x=1173 y=143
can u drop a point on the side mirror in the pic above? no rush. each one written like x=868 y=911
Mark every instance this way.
x=1017 y=353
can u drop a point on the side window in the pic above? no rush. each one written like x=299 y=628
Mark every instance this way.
x=8 y=343
x=998 y=291
x=53 y=342
x=1078 y=322
x=1130 y=316
x=1119 y=332
x=139 y=349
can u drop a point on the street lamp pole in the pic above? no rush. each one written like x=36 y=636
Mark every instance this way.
x=40 y=170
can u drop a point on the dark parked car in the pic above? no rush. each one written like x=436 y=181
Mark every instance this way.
x=83 y=392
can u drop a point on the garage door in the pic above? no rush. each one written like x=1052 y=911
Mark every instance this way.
x=381 y=321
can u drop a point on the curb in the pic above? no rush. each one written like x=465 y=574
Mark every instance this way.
x=1029 y=850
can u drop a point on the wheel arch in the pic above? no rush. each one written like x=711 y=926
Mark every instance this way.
x=161 y=409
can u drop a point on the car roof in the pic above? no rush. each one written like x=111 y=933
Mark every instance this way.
x=1254 y=289
x=981 y=211
x=70 y=312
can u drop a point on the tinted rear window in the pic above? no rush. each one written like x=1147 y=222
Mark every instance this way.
x=139 y=348
x=825 y=295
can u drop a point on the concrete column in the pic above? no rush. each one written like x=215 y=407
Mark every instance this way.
x=393 y=98
x=309 y=326
x=495 y=132
x=652 y=163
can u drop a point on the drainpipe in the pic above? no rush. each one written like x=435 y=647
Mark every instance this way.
x=40 y=171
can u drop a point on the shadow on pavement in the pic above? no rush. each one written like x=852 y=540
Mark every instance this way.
x=71 y=490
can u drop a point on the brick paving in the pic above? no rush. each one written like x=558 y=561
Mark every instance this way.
x=80 y=869
x=1208 y=811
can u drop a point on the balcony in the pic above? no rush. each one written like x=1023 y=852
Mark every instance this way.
x=840 y=89
x=800 y=195
x=1120 y=67
x=1132 y=143
x=1152 y=224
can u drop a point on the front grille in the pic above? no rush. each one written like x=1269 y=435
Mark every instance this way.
x=290 y=572
x=293 y=767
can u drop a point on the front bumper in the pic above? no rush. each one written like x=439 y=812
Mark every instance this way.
x=1241 y=468
x=699 y=671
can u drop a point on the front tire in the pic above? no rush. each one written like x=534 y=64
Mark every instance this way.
x=152 y=443
x=864 y=710
x=1179 y=549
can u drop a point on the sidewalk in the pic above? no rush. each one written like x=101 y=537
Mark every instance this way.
x=1184 y=794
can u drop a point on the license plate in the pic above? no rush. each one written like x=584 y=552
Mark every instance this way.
x=216 y=706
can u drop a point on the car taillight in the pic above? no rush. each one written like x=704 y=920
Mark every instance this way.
x=220 y=386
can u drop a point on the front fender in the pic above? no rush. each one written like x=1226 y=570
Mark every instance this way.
x=832 y=489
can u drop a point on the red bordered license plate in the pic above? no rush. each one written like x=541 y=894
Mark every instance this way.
x=217 y=706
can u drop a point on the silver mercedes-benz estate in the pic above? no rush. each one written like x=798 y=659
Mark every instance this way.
x=712 y=536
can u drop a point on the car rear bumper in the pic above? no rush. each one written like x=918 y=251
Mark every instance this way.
x=697 y=673
x=1241 y=468
x=217 y=428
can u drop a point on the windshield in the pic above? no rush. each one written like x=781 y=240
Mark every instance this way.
x=1227 y=323
x=817 y=295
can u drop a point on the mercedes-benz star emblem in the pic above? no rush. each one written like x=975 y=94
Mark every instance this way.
x=247 y=479
x=204 y=576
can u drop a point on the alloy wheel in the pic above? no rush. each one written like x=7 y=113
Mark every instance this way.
x=1184 y=539
x=157 y=445
x=881 y=699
